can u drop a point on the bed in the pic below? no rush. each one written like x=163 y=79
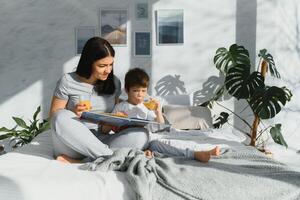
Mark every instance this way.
x=241 y=172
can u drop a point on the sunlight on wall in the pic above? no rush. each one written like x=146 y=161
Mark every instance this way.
x=71 y=64
x=28 y=99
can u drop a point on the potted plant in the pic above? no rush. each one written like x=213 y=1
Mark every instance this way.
x=265 y=101
x=23 y=133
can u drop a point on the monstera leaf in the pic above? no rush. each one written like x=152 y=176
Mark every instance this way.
x=276 y=135
x=241 y=84
x=267 y=102
x=225 y=60
x=269 y=59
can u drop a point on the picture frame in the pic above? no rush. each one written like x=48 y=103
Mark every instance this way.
x=113 y=25
x=142 y=44
x=82 y=35
x=141 y=11
x=169 y=27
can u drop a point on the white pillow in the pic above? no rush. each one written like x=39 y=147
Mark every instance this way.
x=188 y=117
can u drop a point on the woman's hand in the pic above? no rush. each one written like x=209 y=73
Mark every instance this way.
x=79 y=108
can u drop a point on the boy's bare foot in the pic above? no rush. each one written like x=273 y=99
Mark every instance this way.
x=66 y=159
x=202 y=156
x=148 y=153
x=215 y=151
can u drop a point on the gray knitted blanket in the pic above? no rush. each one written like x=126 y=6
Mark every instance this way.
x=244 y=174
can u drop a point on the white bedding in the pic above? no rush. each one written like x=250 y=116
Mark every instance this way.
x=31 y=173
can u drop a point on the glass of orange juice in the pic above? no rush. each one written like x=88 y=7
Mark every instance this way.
x=85 y=99
x=150 y=104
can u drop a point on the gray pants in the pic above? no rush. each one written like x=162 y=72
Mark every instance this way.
x=72 y=138
x=169 y=150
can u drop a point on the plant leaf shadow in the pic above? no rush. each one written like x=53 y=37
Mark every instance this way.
x=209 y=89
x=170 y=85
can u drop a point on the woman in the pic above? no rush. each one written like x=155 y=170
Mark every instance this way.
x=73 y=138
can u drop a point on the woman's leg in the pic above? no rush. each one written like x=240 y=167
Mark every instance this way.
x=74 y=139
x=137 y=138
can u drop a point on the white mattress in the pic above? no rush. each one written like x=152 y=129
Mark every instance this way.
x=31 y=173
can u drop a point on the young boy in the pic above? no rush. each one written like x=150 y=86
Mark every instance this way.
x=136 y=86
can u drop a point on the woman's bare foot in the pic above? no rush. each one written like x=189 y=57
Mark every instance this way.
x=148 y=153
x=202 y=156
x=66 y=159
x=215 y=151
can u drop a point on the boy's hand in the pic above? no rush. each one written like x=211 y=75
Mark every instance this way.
x=117 y=129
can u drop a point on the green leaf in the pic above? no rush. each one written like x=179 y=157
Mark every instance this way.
x=267 y=102
x=269 y=59
x=3 y=129
x=241 y=84
x=226 y=59
x=276 y=135
x=222 y=119
x=20 y=122
x=7 y=135
x=36 y=113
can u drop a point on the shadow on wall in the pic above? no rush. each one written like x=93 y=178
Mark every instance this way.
x=170 y=85
x=209 y=88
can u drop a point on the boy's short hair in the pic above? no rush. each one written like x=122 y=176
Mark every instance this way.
x=136 y=77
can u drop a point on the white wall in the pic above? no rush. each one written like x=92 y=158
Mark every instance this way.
x=37 y=40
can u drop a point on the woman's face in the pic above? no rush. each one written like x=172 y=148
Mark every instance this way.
x=101 y=68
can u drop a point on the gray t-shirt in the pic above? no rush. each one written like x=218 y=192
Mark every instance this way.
x=69 y=88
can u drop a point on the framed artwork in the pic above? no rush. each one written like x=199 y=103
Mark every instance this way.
x=113 y=25
x=169 y=26
x=141 y=11
x=142 y=44
x=82 y=34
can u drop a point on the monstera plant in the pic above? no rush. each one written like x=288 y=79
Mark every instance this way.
x=265 y=101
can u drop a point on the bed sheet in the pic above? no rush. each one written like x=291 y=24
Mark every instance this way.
x=31 y=173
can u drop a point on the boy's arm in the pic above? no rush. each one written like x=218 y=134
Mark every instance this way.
x=159 y=116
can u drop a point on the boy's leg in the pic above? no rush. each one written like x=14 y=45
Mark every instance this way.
x=169 y=150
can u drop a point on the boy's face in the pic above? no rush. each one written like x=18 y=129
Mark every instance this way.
x=136 y=94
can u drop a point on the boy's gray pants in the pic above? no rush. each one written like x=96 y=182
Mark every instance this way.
x=72 y=138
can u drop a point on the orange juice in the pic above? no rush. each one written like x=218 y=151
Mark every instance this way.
x=87 y=104
x=151 y=105
x=85 y=99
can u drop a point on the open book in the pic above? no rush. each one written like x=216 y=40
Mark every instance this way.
x=110 y=119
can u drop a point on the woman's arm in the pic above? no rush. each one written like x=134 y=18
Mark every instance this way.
x=57 y=104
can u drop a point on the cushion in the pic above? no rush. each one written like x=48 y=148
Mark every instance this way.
x=188 y=117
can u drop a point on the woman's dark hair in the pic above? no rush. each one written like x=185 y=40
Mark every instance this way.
x=94 y=49
x=136 y=77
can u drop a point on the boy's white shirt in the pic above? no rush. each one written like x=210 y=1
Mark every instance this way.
x=135 y=111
